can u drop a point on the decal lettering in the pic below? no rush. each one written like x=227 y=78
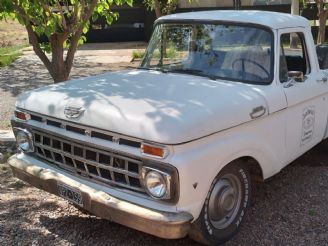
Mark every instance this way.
x=243 y=174
x=308 y=119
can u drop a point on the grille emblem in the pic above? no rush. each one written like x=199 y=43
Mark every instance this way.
x=87 y=133
x=116 y=140
x=73 y=112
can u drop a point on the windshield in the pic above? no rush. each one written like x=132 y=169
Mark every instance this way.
x=231 y=52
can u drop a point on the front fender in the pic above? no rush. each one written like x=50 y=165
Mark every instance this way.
x=200 y=161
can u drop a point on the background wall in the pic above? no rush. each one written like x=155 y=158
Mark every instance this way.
x=228 y=3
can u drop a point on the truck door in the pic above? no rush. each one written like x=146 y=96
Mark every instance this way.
x=305 y=91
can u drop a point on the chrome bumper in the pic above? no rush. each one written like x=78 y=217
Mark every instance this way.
x=167 y=225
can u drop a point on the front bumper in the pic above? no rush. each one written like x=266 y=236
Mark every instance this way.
x=167 y=225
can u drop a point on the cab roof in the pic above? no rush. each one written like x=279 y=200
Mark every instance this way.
x=273 y=20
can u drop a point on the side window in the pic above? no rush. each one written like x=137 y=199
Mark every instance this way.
x=293 y=55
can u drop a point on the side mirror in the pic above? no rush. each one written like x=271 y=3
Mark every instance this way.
x=297 y=76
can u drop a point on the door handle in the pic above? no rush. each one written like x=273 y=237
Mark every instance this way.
x=258 y=112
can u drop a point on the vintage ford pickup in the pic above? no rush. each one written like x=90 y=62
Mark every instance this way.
x=222 y=100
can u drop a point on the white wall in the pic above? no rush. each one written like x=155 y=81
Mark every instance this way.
x=226 y=3
x=211 y=3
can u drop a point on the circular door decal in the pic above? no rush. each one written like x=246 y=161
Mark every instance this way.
x=308 y=124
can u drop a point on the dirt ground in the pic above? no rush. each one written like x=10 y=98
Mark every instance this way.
x=12 y=33
x=289 y=209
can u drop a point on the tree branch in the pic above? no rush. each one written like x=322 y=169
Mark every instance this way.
x=22 y=14
x=157 y=7
x=74 y=19
x=37 y=49
x=62 y=15
x=33 y=39
x=77 y=35
x=46 y=7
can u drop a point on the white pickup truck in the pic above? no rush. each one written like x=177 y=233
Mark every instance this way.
x=220 y=101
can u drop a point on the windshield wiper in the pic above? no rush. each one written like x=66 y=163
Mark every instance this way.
x=191 y=72
x=183 y=71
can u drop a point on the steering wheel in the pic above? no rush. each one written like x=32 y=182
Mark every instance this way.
x=243 y=60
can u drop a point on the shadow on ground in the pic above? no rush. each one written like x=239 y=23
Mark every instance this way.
x=29 y=73
x=92 y=229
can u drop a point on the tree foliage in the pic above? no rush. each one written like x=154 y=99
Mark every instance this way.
x=63 y=22
x=162 y=7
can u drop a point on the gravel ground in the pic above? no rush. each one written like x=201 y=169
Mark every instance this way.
x=289 y=209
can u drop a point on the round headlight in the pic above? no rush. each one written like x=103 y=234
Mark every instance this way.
x=23 y=141
x=155 y=184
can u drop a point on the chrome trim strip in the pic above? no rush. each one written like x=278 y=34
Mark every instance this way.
x=64 y=123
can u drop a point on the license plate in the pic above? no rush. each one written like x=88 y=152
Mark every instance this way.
x=70 y=194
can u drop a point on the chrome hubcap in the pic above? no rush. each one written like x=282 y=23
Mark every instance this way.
x=225 y=201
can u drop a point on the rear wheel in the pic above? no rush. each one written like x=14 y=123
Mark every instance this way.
x=224 y=207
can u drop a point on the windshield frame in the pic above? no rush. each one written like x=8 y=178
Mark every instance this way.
x=219 y=22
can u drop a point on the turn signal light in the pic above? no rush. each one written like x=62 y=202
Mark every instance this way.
x=22 y=116
x=152 y=150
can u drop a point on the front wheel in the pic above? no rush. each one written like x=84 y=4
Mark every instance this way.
x=224 y=207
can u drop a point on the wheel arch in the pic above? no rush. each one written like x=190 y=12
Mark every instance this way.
x=196 y=180
x=255 y=174
x=251 y=162
x=253 y=167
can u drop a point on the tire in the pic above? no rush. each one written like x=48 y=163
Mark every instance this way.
x=224 y=207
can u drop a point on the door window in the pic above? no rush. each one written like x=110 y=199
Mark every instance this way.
x=293 y=55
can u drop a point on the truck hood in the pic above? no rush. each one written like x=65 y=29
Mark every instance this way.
x=167 y=108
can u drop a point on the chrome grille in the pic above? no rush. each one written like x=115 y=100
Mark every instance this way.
x=104 y=166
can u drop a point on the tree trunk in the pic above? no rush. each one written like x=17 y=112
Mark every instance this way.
x=59 y=69
x=295 y=10
x=237 y=4
x=72 y=49
x=158 y=10
x=33 y=40
x=322 y=30
x=322 y=14
x=56 y=67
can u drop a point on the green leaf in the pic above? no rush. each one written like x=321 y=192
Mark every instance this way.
x=106 y=6
x=85 y=29
x=82 y=40
x=47 y=31
x=129 y=2
x=109 y=19
x=94 y=17
x=100 y=8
